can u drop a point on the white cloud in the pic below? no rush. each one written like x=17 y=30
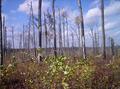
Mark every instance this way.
x=111 y=25
x=94 y=13
x=113 y=8
x=24 y=7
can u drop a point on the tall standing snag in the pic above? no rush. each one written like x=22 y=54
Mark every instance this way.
x=60 y=34
x=33 y=28
x=1 y=39
x=4 y=36
x=103 y=31
x=112 y=47
x=40 y=24
x=54 y=28
x=46 y=33
x=82 y=30
x=13 y=39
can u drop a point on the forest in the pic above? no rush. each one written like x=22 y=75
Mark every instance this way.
x=59 y=44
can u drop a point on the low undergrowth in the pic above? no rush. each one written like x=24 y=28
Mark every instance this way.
x=61 y=73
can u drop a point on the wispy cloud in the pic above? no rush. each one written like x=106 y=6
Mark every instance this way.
x=24 y=7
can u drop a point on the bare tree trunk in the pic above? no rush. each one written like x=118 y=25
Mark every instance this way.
x=23 y=37
x=33 y=28
x=98 y=42
x=112 y=47
x=82 y=30
x=23 y=42
x=79 y=37
x=5 y=41
x=46 y=33
x=54 y=28
x=40 y=26
x=72 y=35
x=4 y=36
x=103 y=31
x=93 y=40
x=29 y=37
x=67 y=28
x=13 y=43
x=60 y=35
x=63 y=23
x=20 y=42
x=1 y=38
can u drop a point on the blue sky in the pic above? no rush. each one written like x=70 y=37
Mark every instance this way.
x=16 y=13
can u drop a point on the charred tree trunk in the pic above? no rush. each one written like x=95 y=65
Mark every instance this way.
x=29 y=37
x=33 y=28
x=98 y=45
x=20 y=42
x=96 y=42
x=60 y=35
x=1 y=35
x=23 y=37
x=5 y=41
x=72 y=35
x=103 y=31
x=79 y=37
x=112 y=47
x=82 y=30
x=63 y=23
x=54 y=28
x=46 y=33
x=40 y=26
x=4 y=36
x=13 y=43
x=93 y=40
x=67 y=28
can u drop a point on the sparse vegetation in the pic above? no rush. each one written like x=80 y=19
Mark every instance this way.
x=61 y=72
x=51 y=51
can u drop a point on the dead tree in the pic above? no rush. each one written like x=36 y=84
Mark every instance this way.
x=63 y=25
x=20 y=42
x=5 y=40
x=96 y=43
x=1 y=38
x=29 y=37
x=46 y=32
x=50 y=24
x=23 y=37
x=82 y=30
x=67 y=29
x=112 y=46
x=77 y=22
x=54 y=28
x=13 y=43
x=93 y=40
x=4 y=37
x=40 y=26
x=65 y=16
x=33 y=28
x=72 y=35
x=103 y=31
x=60 y=35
